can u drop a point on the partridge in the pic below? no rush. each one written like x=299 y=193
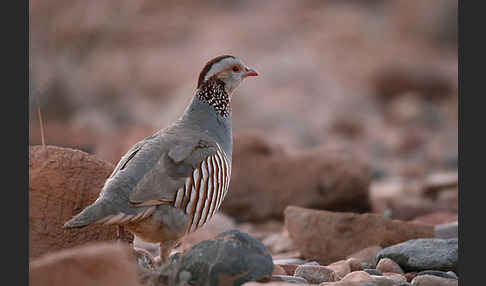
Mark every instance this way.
x=173 y=182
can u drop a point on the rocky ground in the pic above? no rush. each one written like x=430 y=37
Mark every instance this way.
x=345 y=149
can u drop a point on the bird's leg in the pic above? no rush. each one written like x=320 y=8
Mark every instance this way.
x=165 y=249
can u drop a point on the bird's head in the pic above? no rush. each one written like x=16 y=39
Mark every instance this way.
x=228 y=69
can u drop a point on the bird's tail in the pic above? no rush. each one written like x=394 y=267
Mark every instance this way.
x=92 y=214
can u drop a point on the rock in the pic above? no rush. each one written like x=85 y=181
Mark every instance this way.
x=366 y=255
x=271 y=283
x=354 y=264
x=289 y=261
x=436 y=218
x=316 y=274
x=290 y=279
x=265 y=179
x=327 y=236
x=438 y=273
x=448 y=230
x=410 y=275
x=440 y=181
x=231 y=258
x=279 y=270
x=432 y=280
x=342 y=267
x=278 y=242
x=451 y=273
x=357 y=276
x=347 y=283
x=395 y=277
x=388 y=265
x=382 y=281
x=424 y=254
x=372 y=271
x=289 y=268
x=62 y=182
x=81 y=266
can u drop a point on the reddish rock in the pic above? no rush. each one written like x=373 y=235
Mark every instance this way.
x=357 y=276
x=354 y=264
x=366 y=255
x=329 y=236
x=316 y=274
x=395 y=277
x=279 y=270
x=289 y=268
x=388 y=265
x=410 y=275
x=62 y=182
x=437 y=218
x=341 y=267
x=107 y=264
x=279 y=242
x=265 y=179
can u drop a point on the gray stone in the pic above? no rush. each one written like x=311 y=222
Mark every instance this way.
x=423 y=254
x=231 y=258
x=289 y=279
x=289 y=261
x=447 y=230
x=438 y=274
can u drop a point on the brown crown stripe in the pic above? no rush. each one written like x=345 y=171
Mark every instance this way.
x=208 y=67
x=202 y=195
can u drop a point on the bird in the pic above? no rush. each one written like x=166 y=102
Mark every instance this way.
x=173 y=182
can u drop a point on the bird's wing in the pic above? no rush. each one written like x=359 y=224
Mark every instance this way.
x=161 y=182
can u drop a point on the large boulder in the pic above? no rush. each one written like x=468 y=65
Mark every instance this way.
x=107 y=264
x=331 y=236
x=62 y=182
x=266 y=178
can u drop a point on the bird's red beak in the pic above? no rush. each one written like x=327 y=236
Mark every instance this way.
x=250 y=72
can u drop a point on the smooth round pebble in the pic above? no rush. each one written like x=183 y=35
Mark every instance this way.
x=358 y=276
x=372 y=271
x=431 y=280
x=316 y=274
x=388 y=265
x=289 y=279
x=437 y=273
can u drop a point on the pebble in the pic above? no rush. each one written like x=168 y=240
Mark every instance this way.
x=289 y=268
x=437 y=273
x=424 y=254
x=289 y=279
x=278 y=270
x=447 y=230
x=316 y=274
x=382 y=281
x=432 y=280
x=388 y=265
x=367 y=255
x=397 y=278
x=289 y=261
x=342 y=267
x=358 y=276
x=354 y=264
x=372 y=271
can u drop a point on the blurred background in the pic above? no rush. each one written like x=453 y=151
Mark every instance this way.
x=374 y=78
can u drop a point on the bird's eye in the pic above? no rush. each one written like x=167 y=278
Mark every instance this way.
x=236 y=68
